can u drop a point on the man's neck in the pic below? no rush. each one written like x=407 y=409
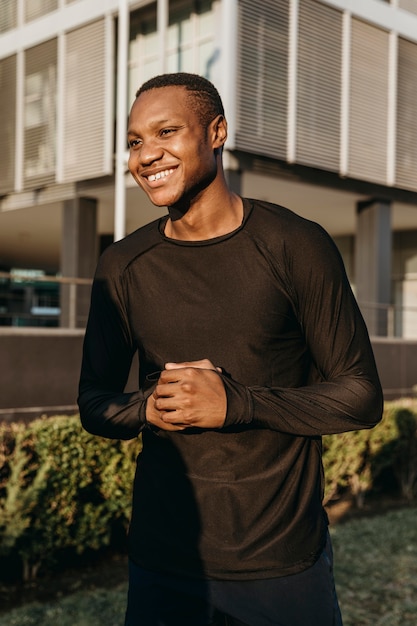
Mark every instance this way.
x=208 y=219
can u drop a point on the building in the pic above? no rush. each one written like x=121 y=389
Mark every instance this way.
x=321 y=100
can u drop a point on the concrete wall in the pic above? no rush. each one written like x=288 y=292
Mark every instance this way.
x=397 y=365
x=39 y=370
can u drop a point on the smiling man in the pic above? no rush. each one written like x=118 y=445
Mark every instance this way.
x=176 y=160
x=244 y=311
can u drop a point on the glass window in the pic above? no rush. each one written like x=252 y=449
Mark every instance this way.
x=33 y=100
x=40 y=113
x=143 y=49
x=190 y=41
x=189 y=44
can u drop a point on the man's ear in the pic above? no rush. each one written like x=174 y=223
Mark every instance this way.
x=218 y=129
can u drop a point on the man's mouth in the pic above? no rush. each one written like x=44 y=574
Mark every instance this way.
x=153 y=177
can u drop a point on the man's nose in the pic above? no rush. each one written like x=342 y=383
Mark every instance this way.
x=150 y=151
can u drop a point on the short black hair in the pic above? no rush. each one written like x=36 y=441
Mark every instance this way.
x=203 y=92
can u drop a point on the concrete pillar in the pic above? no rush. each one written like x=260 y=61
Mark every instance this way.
x=373 y=264
x=232 y=172
x=234 y=180
x=79 y=251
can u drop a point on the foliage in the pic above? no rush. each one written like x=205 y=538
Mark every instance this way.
x=344 y=458
x=405 y=455
x=21 y=486
x=60 y=489
x=360 y=460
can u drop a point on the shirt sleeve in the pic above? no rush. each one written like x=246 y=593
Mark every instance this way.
x=105 y=409
x=343 y=392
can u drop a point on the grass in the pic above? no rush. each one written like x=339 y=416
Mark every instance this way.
x=375 y=569
x=101 y=607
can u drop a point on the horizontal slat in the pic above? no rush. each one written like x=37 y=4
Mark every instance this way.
x=368 y=121
x=262 y=82
x=8 y=15
x=37 y=8
x=319 y=85
x=85 y=133
x=7 y=123
x=406 y=175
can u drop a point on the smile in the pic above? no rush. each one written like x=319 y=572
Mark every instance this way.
x=159 y=175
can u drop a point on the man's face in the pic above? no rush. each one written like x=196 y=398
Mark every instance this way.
x=171 y=154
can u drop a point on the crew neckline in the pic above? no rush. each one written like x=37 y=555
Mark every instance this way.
x=247 y=208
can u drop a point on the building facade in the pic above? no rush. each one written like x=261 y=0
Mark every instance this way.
x=321 y=101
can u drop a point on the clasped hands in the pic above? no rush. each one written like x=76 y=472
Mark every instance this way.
x=189 y=394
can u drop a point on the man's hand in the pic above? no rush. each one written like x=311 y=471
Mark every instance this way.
x=189 y=394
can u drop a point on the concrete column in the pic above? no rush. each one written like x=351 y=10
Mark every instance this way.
x=373 y=263
x=232 y=172
x=234 y=181
x=79 y=251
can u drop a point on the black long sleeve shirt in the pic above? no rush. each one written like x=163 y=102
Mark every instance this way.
x=270 y=303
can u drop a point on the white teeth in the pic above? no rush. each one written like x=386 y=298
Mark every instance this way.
x=159 y=175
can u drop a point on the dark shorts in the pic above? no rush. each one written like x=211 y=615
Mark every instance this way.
x=305 y=599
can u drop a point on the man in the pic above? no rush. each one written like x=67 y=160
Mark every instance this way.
x=245 y=310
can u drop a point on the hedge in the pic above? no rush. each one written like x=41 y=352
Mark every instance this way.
x=368 y=460
x=62 y=489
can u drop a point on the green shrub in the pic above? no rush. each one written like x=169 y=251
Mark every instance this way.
x=21 y=483
x=345 y=464
x=356 y=460
x=405 y=450
x=61 y=488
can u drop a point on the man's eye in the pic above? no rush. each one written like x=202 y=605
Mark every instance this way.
x=167 y=131
x=134 y=143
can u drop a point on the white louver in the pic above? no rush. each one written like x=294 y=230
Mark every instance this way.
x=262 y=77
x=406 y=174
x=8 y=123
x=85 y=143
x=368 y=106
x=38 y=8
x=319 y=85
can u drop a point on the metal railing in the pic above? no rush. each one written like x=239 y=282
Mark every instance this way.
x=35 y=299
x=390 y=320
x=59 y=301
